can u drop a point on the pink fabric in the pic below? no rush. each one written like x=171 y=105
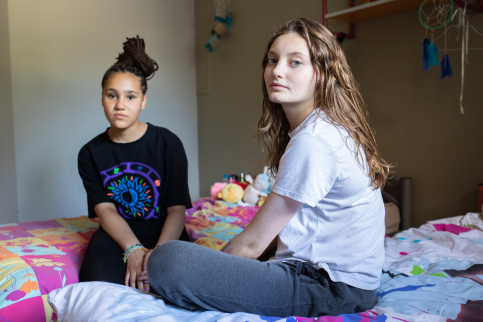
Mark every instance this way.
x=216 y=188
x=38 y=257
x=455 y=229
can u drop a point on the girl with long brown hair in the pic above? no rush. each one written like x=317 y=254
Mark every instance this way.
x=324 y=218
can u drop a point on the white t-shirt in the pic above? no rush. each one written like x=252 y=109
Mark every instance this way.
x=340 y=227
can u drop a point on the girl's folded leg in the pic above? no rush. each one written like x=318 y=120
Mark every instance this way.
x=196 y=277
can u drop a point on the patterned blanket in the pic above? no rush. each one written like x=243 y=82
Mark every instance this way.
x=212 y=223
x=431 y=273
x=36 y=258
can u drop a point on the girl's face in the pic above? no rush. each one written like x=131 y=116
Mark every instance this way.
x=123 y=100
x=289 y=75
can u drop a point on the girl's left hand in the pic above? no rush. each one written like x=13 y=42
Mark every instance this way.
x=143 y=278
x=144 y=275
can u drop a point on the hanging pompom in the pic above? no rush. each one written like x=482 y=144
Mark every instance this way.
x=426 y=42
x=446 y=67
x=430 y=54
x=433 y=55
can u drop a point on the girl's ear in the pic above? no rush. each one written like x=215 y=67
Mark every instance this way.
x=143 y=104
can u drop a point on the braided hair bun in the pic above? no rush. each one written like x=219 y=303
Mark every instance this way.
x=134 y=60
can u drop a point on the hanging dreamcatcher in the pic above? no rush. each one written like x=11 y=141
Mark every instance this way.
x=433 y=15
x=222 y=23
x=438 y=16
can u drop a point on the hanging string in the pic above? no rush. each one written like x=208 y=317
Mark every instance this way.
x=445 y=38
x=456 y=26
x=463 y=24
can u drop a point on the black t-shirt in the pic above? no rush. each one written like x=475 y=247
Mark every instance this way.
x=142 y=178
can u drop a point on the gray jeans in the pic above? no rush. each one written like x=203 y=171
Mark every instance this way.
x=196 y=277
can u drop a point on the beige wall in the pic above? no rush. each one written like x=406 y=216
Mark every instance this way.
x=229 y=84
x=8 y=182
x=414 y=114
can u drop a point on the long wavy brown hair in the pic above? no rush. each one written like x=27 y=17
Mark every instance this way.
x=337 y=94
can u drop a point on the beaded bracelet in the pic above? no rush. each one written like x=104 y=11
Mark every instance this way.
x=131 y=250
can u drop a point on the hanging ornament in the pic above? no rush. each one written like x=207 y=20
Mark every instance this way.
x=430 y=54
x=435 y=14
x=446 y=67
x=222 y=24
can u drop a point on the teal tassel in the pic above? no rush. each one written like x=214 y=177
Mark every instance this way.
x=430 y=54
x=433 y=55
x=426 y=42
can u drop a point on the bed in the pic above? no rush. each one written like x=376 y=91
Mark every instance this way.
x=432 y=273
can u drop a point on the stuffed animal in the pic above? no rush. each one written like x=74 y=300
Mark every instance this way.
x=256 y=189
x=216 y=189
x=271 y=178
x=231 y=193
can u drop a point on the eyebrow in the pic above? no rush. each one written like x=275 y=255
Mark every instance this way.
x=293 y=53
x=115 y=90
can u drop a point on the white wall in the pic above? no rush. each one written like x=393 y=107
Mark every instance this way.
x=59 y=53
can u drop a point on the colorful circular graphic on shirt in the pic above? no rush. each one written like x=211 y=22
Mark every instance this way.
x=134 y=188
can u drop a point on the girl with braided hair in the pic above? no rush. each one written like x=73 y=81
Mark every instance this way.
x=324 y=217
x=135 y=176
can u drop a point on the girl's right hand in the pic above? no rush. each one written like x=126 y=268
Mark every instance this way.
x=134 y=268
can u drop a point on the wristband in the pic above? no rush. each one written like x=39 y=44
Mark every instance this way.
x=132 y=249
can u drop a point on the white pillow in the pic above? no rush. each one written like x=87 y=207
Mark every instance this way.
x=102 y=301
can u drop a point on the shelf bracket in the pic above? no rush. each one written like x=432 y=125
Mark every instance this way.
x=471 y=6
x=339 y=35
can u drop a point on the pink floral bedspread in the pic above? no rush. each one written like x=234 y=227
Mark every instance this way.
x=431 y=273
x=41 y=256
x=36 y=258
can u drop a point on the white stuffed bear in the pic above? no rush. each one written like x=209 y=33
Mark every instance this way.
x=255 y=190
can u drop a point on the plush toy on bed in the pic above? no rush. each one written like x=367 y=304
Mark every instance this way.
x=256 y=189
x=231 y=193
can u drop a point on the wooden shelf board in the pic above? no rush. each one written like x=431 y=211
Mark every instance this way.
x=371 y=10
